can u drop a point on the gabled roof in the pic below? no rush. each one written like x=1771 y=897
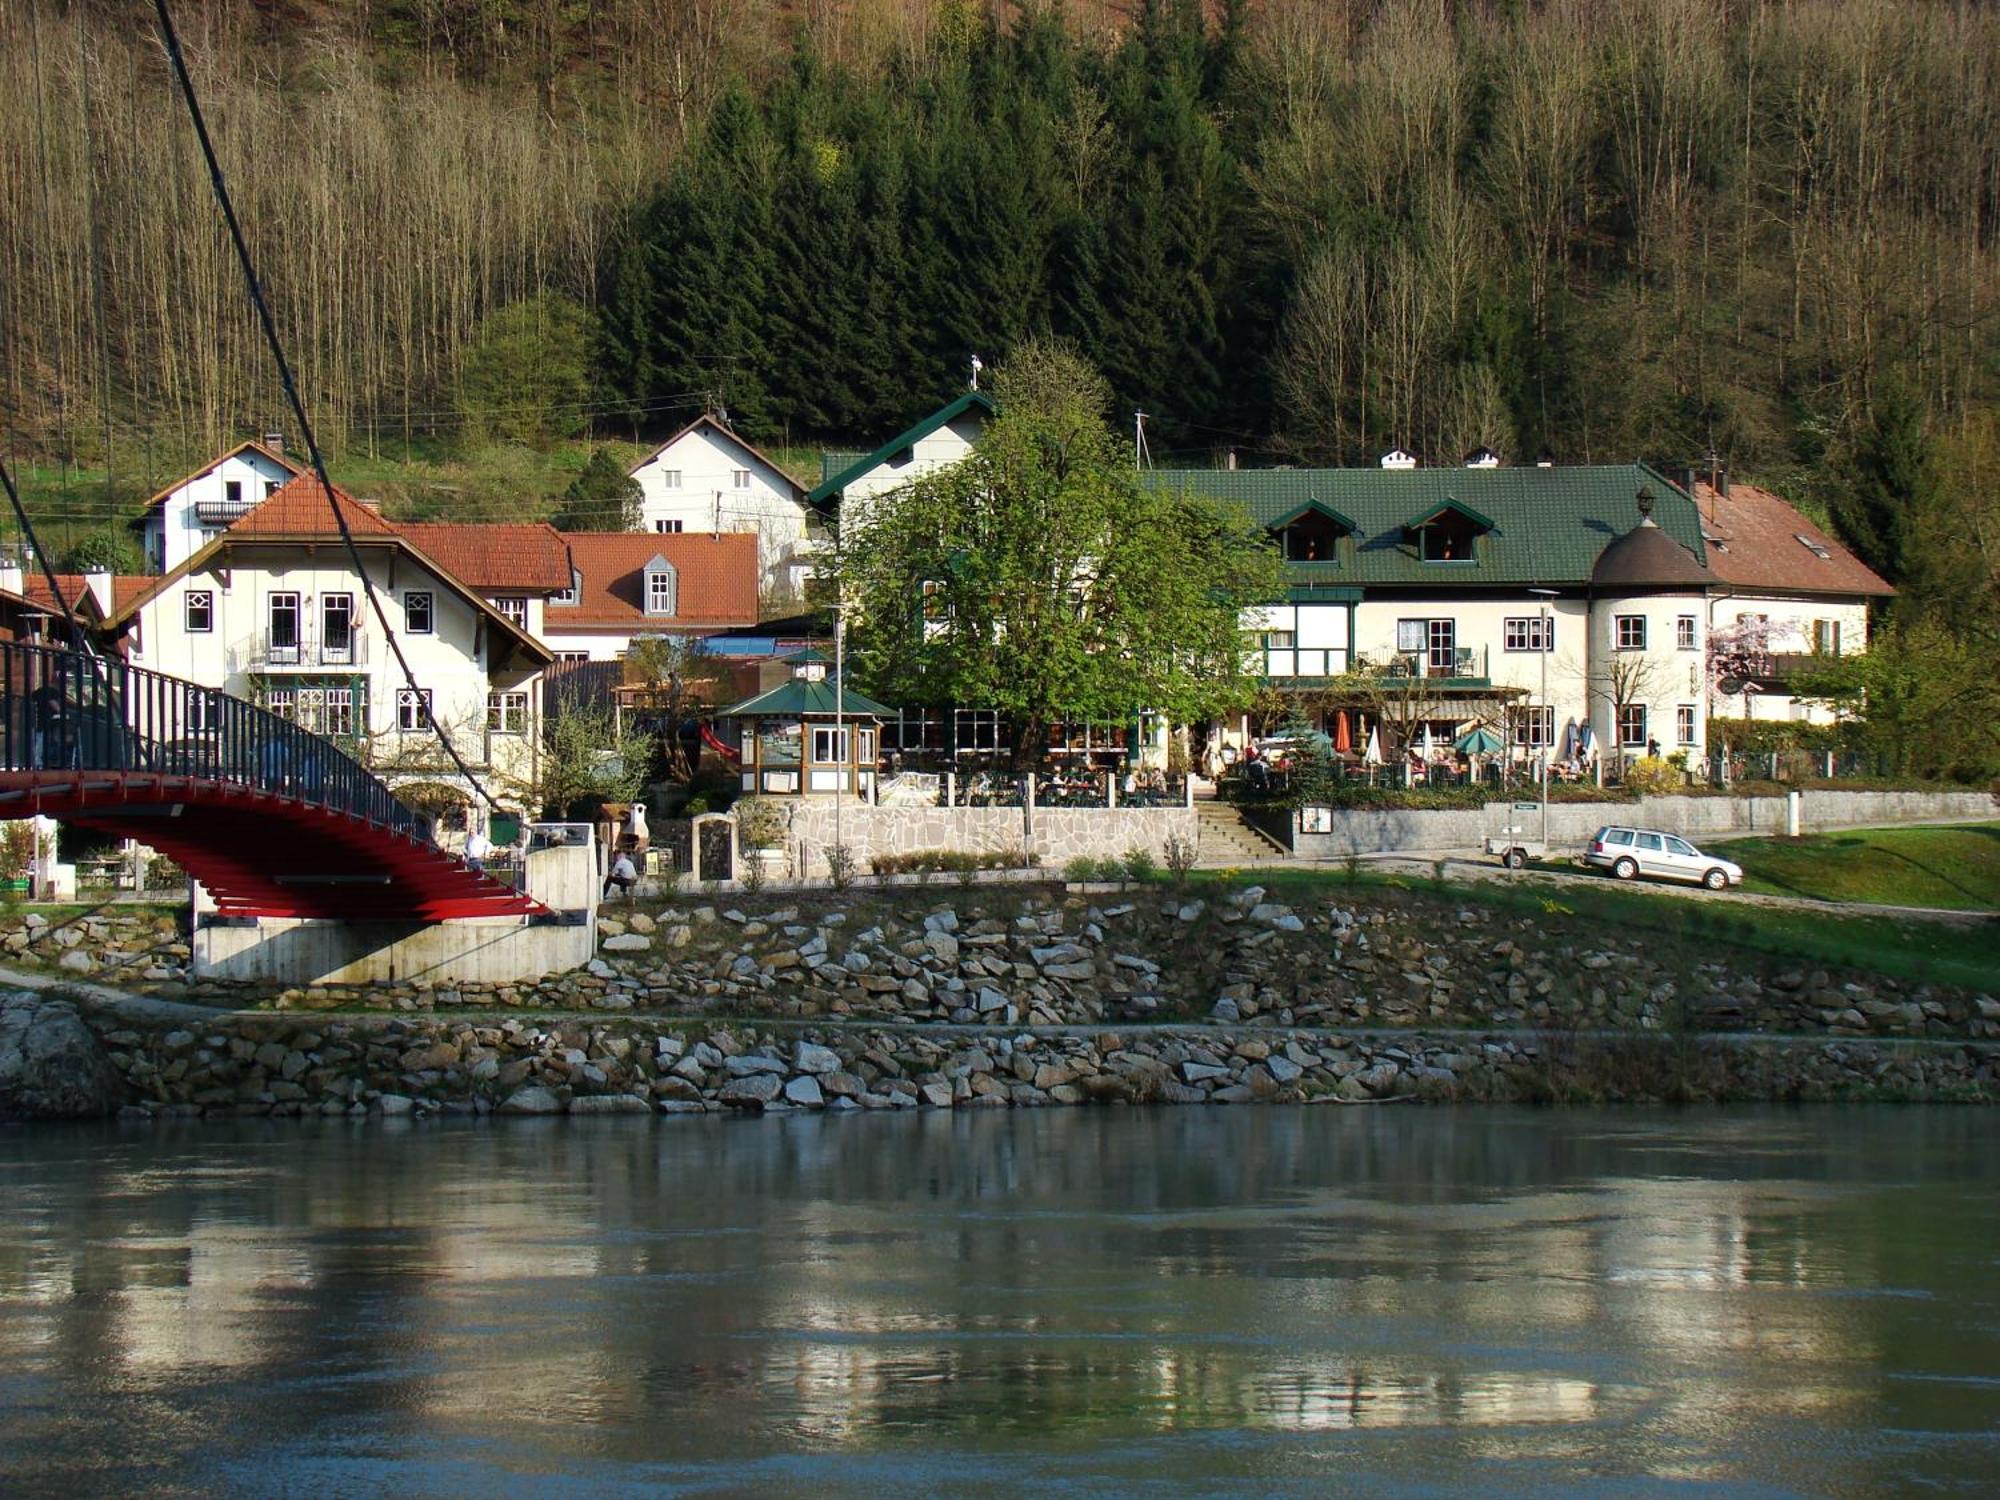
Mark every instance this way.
x=76 y=591
x=506 y=558
x=251 y=446
x=1424 y=518
x=298 y=514
x=1310 y=508
x=728 y=435
x=717 y=587
x=1546 y=526
x=1761 y=546
x=795 y=698
x=298 y=508
x=951 y=411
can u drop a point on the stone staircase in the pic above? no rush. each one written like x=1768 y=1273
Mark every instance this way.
x=1223 y=838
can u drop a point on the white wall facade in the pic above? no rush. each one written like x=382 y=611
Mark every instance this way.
x=705 y=481
x=1793 y=631
x=941 y=449
x=450 y=660
x=1664 y=677
x=173 y=533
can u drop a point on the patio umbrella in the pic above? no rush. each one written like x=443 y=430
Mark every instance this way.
x=1428 y=746
x=1373 y=754
x=1343 y=738
x=1480 y=741
x=1586 y=743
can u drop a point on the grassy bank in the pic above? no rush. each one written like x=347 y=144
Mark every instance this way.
x=1956 y=867
x=1924 y=952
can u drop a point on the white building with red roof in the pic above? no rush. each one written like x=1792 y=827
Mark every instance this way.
x=194 y=510
x=631 y=584
x=706 y=478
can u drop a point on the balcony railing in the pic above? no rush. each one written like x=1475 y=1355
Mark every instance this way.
x=262 y=652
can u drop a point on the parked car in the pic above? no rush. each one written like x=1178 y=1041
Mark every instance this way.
x=1627 y=852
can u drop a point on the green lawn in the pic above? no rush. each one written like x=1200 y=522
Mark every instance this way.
x=1957 y=867
x=1939 y=951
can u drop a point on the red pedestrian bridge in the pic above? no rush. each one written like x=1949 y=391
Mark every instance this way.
x=273 y=820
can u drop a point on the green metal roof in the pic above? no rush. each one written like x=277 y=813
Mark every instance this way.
x=834 y=483
x=797 y=699
x=1546 y=525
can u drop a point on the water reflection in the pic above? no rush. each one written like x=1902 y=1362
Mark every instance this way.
x=896 y=1304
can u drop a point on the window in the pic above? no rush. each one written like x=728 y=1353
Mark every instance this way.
x=271 y=487
x=1428 y=646
x=740 y=478
x=1647 y=842
x=282 y=616
x=417 y=616
x=571 y=658
x=670 y=479
x=413 y=709
x=668 y=528
x=507 y=713
x=1679 y=846
x=1535 y=725
x=232 y=491
x=932 y=601
x=200 y=611
x=1684 y=723
x=1817 y=549
x=1280 y=640
x=571 y=594
x=1629 y=632
x=336 y=628
x=1313 y=537
x=280 y=701
x=1530 y=633
x=1411 y=635
x=515 y=609
x=1443 y=640
x=659 y=591
x=1632 y=725
x=829 y=748
x=320 y=708
x=1826 y=637
x=1451 y=537
x=1621 y=836
x=1684 y=632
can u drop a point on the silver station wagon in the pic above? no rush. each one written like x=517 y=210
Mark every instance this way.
x=1628 y=852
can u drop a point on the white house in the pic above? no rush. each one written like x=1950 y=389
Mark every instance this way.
x=705 y=478
x=190 y=513
x=273 y=611
x=936 y=442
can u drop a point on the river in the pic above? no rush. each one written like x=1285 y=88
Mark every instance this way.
x=1079 y=1302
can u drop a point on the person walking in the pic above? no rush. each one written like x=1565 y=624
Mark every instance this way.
x=477 y=848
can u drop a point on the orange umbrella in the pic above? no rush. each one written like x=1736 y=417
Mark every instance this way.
x=1343 y=737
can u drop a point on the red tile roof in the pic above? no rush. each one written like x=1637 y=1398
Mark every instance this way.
x=532 y=559
x=1762 y=547
x=717 y=580
x=299 y=508
x=125 y=587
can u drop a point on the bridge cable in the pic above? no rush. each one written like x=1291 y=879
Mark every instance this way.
x=41 y=557
x=172 y=41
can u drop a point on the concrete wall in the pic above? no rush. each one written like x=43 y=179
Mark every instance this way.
x=487 y=950
x=1371 y=830
x=1058 y=835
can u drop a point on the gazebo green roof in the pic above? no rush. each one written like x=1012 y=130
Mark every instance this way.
x=805 y=700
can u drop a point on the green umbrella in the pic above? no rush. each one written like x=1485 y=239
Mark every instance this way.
x=1480 y=741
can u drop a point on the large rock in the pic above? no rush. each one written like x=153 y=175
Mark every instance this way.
x=753 y=1092
x=809 y=1057
x=51 y=1067
x=532 y=1100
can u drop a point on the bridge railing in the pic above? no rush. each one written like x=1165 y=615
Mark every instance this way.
x=64 y=710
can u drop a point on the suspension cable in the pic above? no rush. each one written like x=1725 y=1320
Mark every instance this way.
x=34 y=545
x=172 y=40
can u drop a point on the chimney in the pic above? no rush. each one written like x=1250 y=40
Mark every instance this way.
x=1396 y=458
x=1722 y=483
x=12 y=580
x=1230 y=461
x=98 y=582
x=275 y=441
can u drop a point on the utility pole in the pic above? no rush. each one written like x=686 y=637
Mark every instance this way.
x=1139 y=455
x=1546 y=707
x=839 y=715
x=977 y=365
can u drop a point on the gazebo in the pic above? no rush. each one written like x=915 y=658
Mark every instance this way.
x=795 y=741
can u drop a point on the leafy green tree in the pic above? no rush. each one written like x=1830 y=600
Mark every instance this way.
x=107 y=547
x=1041 y=577
x=526 y=377
x=603 y=497
x=585 y=758
x=1921 y=701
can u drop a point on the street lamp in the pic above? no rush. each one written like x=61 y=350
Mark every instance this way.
x=1545 y=595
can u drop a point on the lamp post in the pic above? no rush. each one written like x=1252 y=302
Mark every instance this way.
x=839 y=718
x=1545 y=595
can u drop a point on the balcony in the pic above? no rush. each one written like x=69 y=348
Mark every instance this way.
x=1456 y=666
x=311 y=653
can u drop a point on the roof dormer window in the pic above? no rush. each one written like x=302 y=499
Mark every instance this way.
x=574 y=592
x=1447 y=533
x=1817 y=549
x=1312 y=533
x=662 y=587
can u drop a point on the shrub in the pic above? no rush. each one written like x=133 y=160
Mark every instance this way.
x=694 y=807
x=1080 y=869
x=1138 y=864
x=1649 y=776
x=761 y=822
x=1180 y=852
x=840 y=866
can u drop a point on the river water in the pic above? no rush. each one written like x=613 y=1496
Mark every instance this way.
x=1076 y=1302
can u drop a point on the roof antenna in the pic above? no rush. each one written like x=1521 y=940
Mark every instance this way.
x=977 y=364
x=1142 y=458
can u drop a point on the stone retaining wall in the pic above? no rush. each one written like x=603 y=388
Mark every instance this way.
x=182 y=1061
x=1378 y=830
x=1055 y=834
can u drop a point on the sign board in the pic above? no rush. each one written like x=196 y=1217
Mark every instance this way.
x=1527 y=807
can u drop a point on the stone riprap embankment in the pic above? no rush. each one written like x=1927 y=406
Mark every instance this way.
x=1047 y=956
x=51 y=1065
x=125 y=945
x=182 y=1060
